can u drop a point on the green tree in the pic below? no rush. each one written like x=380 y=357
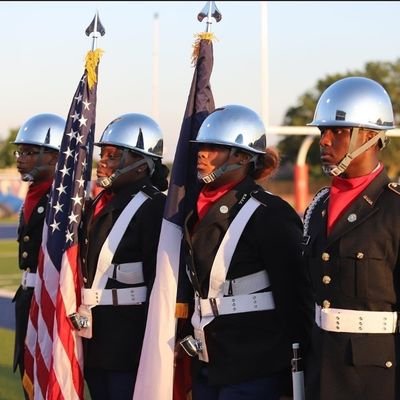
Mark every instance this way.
x=386 y=73
x=7 y=158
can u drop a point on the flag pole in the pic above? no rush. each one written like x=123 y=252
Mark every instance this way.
x=156 y=375
x=95 y=29
x=209 y=11
x=155 y=85
x=264 y=63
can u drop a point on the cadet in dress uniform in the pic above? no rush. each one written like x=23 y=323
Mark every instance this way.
x=243 y=246
x=118 y=252
x=352 y=243
x=38 y=142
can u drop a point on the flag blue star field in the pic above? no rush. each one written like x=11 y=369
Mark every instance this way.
x=155 y=375
x=53 y=356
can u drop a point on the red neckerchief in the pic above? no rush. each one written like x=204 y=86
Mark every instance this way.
x=344 y=191
x=104 y=198
x=35 y=192
x=208 y=197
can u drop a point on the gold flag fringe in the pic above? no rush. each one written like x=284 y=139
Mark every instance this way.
x=196 y=45
x=182 y=310
x=91 y=62
x=27 y=385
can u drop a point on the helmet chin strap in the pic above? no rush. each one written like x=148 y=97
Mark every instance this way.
x=217 y=173
x=223 y=168
x=32 y=175
x=107 y=182
x=335 y=170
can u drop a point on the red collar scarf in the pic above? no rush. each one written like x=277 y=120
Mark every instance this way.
x=208 y=197
x=35 y=192
x=344 y=191
x=104 y=198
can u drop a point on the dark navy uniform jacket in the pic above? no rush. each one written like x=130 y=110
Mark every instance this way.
x=253 y=345
x=118 y=331
x=356 y=267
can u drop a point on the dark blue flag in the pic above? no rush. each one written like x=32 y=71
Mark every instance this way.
x=157 y=359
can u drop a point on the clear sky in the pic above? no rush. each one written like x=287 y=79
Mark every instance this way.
x=43 y=46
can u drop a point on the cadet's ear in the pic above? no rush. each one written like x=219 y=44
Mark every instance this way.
x=369 y=134
x=244 y=158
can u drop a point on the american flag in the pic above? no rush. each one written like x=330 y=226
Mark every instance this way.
x=155 y=376
x=53 y=356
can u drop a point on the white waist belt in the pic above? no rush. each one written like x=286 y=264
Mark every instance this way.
x=115 y=297
x=129 y=273
x=247 y=284
x=28 y=279
x=354 y=321
x=237 y=304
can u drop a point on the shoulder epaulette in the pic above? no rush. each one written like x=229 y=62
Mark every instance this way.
x=395 y=187
x=260 y=195
x=149 y=190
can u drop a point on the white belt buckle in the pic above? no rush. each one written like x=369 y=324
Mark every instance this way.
x=28 y=279
x=24 y=279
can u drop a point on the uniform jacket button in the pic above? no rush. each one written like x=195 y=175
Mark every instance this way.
x=25 y=254
x=326 y=279
x=326 y=304
x=388 y=364
x=360 y=255
x=325 y=256
x=26 y=238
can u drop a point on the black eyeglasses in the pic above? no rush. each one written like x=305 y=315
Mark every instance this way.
x=18 y=153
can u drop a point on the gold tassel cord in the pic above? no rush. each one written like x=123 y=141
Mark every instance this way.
x=196 y=45
x=91 y=62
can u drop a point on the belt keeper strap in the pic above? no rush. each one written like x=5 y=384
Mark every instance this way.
x=214 y=307
x=114 y=296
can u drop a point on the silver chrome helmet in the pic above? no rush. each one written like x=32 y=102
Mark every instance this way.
x=44 y=130
x=355 y=102
x=234 y=126
x=135 y=132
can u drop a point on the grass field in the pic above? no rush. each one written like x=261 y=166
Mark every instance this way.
x=10 y=275
x=10 y=387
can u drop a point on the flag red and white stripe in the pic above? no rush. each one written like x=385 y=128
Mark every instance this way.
x=53 y=356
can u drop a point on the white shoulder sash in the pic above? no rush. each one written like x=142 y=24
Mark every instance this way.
x=227 y=247
x=220 y=268
x=111 y=243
